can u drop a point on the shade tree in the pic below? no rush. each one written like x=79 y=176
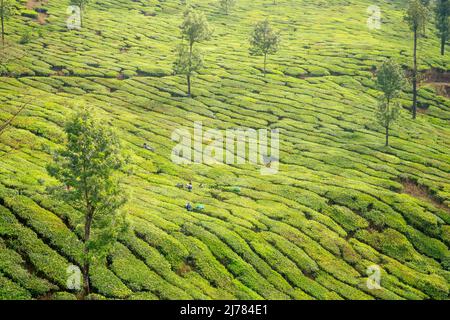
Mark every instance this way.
x=264 y=40
x=390 y=81
x=194 y=29
x=416 y=16
x=89 y=167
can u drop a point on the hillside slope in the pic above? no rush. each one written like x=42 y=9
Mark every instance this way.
x=341 y=202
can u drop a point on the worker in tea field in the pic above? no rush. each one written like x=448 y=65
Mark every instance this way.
x=199 y=207
x=147 y=147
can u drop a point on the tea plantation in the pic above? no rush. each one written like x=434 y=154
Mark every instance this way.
x=340 y=203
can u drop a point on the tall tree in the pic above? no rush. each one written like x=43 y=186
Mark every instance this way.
x=442 y=12
x=7 y=10
x=82 y=4
x=264 y=41
x=187 y=62
x=390 y=80
x=194 y=29
x=89 y=166
x=416 y=16
x=226 y=5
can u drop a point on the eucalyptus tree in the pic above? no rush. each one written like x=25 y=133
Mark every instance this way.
x=442 y=21
x=417 y=15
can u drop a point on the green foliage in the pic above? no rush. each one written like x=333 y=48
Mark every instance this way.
x=442 y=21
x=7 y=10
x=25 y=241
x=386 y=115
x=347 y=218
x=227 y=5
x=390 y=242
x=417 y=15
x=88 y=167
x=62 y=295
x=390 y=81
x=107 y=283
x=26 y=37
x=195 y=28
x=336 y=206
x=264 y=40
x=80 y=3
x=12 y=291
x=29 y=13
x=13 y=265
x=187 y=63
x=44 y=223
x=139 y=278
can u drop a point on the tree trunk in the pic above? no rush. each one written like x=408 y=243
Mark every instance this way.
x=189 y=84
x=3 y=32
x=87 y=234
x=81 y=17
x=414 y=106
x=387 y=136
x=386 y=124
x=190 y=66
x=86 y=285
x=442 y=44
x=3 y=24
x=265 y=61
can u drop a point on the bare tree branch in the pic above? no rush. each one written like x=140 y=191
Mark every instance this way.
x=5 y=125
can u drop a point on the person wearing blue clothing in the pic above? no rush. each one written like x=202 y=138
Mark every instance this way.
x=189 y=207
